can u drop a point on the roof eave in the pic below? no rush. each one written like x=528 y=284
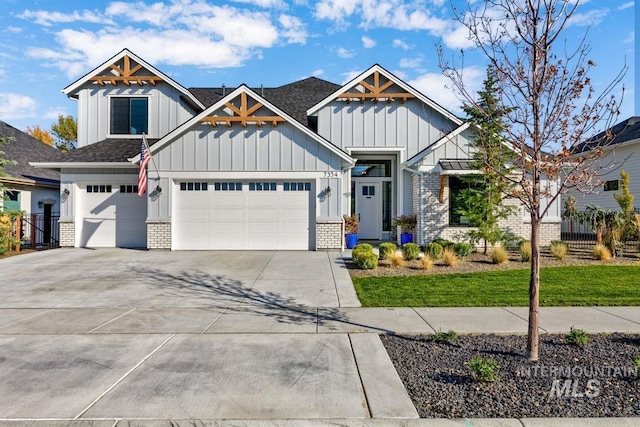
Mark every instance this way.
x=83 y=165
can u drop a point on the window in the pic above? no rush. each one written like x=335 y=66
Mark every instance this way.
x=297 y=186
x=457 y=200
x=129 y=116
x=368 y=190
x=228 y=186
x=262 y=186
x=99 y=189
x=194 y=186
x=13 y=196
x=386 y=206
x=129 y=189
x=372 y=168
x=611 y=185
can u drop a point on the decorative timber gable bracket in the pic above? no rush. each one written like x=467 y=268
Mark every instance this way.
x=242 y=114
x=375 y=91
x=123 y=72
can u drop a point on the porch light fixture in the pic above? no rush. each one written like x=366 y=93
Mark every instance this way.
x=158 y=189
x=327 y=191
x=64 y=195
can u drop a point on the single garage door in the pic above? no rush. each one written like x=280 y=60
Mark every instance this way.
x=243 y=215
x=112 y=215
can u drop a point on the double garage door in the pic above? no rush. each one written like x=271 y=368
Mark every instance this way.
x=243 y=215
x=112 y=215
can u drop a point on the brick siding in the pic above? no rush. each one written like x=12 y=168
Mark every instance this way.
x=329 y=235
x=67 y=234
x=158 y=235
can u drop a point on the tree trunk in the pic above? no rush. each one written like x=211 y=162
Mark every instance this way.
x=485 y=248
x=534 y=290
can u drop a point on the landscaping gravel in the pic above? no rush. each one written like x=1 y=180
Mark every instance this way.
x=441 y=386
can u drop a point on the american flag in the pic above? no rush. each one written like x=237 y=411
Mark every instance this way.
x=145 y=158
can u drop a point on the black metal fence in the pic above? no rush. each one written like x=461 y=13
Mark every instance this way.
x=580 y=236
x=40 y=231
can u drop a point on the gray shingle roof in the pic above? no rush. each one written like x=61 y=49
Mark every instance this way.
x=107 y=150
x=626 y=130
x=293 y=98
x=23 y=149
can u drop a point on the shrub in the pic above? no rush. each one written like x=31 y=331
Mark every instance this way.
x=462 y=249
x=499 y=255
x=366 y=261
x=426 y=263
x=636 y=363
x=444 y=337
x=558 y=249
x=449 y=257
x=577 y=337
x=601 y=253
x=410 y=251
x=444 y=243
x=395 y=259
x=387 y=249
x=363 y=247
x=433 y=250
x=483 y=369
x=525 y=250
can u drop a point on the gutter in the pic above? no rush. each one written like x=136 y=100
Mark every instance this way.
x=420 y=202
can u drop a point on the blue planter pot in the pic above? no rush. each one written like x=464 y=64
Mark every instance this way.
x=406 y=238
x=351 y=240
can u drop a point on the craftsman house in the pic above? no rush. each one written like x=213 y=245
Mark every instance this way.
x=267 y=168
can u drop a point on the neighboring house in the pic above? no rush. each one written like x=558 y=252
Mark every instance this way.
x=29 y=189
x=620 y=151
x=266 y=168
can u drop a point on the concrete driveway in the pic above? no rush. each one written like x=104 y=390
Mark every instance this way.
x=133 y=335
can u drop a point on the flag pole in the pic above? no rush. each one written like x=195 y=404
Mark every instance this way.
x=146 y=145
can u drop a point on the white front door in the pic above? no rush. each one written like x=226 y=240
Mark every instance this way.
x=369 y=210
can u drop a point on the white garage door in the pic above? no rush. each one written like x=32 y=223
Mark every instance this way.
x=243 y=215
x=112 y=215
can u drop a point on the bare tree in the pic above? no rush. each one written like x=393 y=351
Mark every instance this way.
x=552 y=106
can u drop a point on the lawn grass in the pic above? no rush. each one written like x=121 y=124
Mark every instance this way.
x=600 y=285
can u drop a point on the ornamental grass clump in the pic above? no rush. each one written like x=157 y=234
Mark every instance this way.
x=387 y=249
x=558 y=249
x=525 y=251
x=462 y=249
x=449 y=257
x=395 y=260
x=433 y=250
x=410 y=251
x=426 y=263
x=499 y=255
x=601 y=253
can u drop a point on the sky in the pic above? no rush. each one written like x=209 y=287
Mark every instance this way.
x=45 y=45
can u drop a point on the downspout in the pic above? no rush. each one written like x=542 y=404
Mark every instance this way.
x=420 y=202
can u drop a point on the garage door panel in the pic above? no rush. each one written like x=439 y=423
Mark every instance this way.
x=111 y=218
x=246 y=219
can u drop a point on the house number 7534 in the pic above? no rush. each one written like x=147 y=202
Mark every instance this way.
x=331 y=174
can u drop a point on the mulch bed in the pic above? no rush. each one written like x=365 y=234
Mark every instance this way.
x=441 y=386
x=477 y=262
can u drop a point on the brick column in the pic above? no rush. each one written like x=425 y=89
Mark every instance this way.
x=67 y=233
x=158 y=235
x=329 y=234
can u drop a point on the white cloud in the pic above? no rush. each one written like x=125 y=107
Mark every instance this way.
x=439 y=88
x=458 y=38
x=317 y=72
x=400 y=44
x=395 y=14
x=345 y=53
x=53 y=113
x=47 y=18
x=590 y=18
x=294 y=30
x=14 y=106
x=279 y=4
x=410 y=62
x=631 y=37
x=368 y=42
x=350 y=75
x=626 y=5
x=182 y=32
x=12 y=29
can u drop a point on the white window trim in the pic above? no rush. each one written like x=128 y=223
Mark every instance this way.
x=129 y=135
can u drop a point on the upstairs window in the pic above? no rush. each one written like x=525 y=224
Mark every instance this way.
x=129 y=116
